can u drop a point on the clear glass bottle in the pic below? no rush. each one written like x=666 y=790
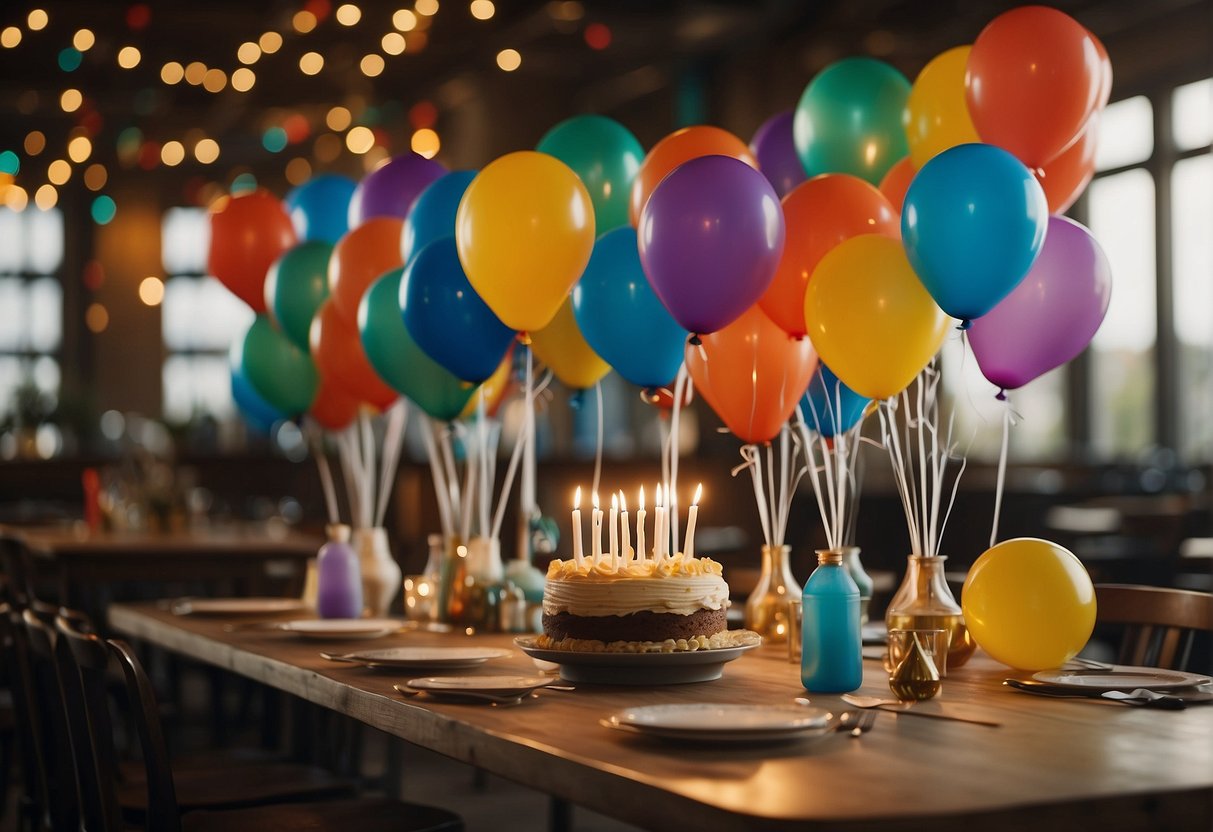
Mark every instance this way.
x=766 y=609
x=850 y=559
x=381 y=575
x=924 y=602
x=830 y=657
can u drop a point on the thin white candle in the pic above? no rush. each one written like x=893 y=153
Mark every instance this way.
x=613 y=534
x=641 y=552
x=627 y=529
x=660 y=532
x=595 y=533
x=688 y=548
x=578 y=553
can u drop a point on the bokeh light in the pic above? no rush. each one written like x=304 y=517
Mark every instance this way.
x=172 y=153
x=58 y=172
x=96 y=317
x=243 y=79
x=348 y=14
x=338 y=118
x=371 y=65
x=270 y=42
x=46 y=197
x=509 y=59
x=151 y=291
x=79 y=149
x=95 y=176
x=393 y=43
x=248 y=53
x=206 y=151
x=360 y=139
x=35 y=142
x=172 y=73
x=129 y=57
x=70 y=100
x=84 y=39
x=37 y=20
x=482 y=9
x=103 y=210
x=425 y=142
x=310 y=63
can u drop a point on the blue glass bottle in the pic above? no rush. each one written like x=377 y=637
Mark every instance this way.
x=830 y=659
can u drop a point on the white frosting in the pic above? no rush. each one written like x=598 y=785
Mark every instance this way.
x=677 y=585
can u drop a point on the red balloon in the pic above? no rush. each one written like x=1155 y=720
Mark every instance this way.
x=333 y=408
x=249 y=231
x=1105 y=64
x=1066 y=177
x=820 y=214
x=360 y=258
x=897 y=181
x=1034 y=78
x=662 y=398
x=337 y=351
x=752 y=374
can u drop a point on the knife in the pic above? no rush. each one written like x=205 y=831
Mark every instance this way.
x=1140 y=697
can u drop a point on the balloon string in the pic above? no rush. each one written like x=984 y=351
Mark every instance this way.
x=671 y=498
x=393 y=439
x=598 y=446
x=528 y=414
x=436 y=473
x=316 y=441
x=1002 y=469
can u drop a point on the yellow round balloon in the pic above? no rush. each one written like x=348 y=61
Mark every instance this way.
x=524 y=230
x=936 y=115
x=870 y=318
x=1029 y=603
x=562 y=348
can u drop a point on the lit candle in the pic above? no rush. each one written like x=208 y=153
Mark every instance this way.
x=627 y=529
x=613 y=534
x=641 y=553
x=578 y=554
x=688 y=548
x=660 y=534
x=595 y=533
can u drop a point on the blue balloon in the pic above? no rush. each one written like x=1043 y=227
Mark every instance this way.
x=973 y=221
x=622 y=318
x=320 y=207
x=260 y=414
x=432 y=216
x=829 y=406
x=446 y=317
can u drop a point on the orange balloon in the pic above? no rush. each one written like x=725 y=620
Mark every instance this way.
x=1066 y=177
x=360 y=258
x=897 y=181
x=337 y=351
x=333 y=408
x=820 y=214
x=249 y=231
x=1034 y=78
x=676 y=148
x=752 y=374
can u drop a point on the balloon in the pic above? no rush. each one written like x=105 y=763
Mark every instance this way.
x=525 y=230
x=494 y=388
x=280 y=372
x=605 y=155
x=295 y=287
x=320 y=207
x=249 y=231
x=775 y=151
x=1034 y=77
x=359 y=259
x=1052 y=315
x=1067 y=176
x=1029 y=603
x=620 y=316
x=829 y=406
x=399 y=361
x=752 y=374
x=333 y=408
x=676 y=148
x=1105 y=65
x=561 y=346
x=340 y=359
x=869 y=317
x=710 y=238
x=897 y=181
x=259 y=413
x=819 y=215
x=937 y=116
x=662 y=398
x=849 y=119
x=973 y=221
x=447 y=318
x=389 y=190
x=432 y=216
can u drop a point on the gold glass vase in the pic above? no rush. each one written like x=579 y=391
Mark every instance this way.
x=766 y=610
x=924 y=602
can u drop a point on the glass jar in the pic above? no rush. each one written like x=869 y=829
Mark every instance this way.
x=850 y=559
x=766 y=610
x=924 y=602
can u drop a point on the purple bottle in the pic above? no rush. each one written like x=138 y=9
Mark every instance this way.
x=338 y=578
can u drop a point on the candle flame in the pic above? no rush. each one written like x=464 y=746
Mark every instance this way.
x=642 y=498
x=698 y=494
x=623 y=501
x=577 y=498
x=595 y=501
x=614 y=502
x=657 y=500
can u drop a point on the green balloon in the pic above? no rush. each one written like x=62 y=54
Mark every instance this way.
x=606 y=156
x=281 y=372
x=398 y=360
x=849 y=120
x=296 y=285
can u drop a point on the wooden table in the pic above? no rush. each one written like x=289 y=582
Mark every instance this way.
x=1055 y=763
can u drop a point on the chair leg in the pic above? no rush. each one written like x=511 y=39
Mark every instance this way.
x=560 y=815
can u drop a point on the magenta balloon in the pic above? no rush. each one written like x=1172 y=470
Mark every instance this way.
x=710 y=238
x=775 y=150
x=389 y=190
x=1052 y=315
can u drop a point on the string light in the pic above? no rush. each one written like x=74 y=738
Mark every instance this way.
x=172 y=73
x=404 y=20
x=243 y=79
x=129 y=57
x=95 y=176
x=327 y=147
x=37 y=20
x=371 y=65
x=10 y=37
x=83 y=39
x=214 y=80
x=426 y=143
x=151 y=291
x=509 y=59
x=173 y=153
x=428 y=8
x=96 y=317
x=46 y=197
x=195 y=73
x=79 y=149
x=360 y=139
x=270 y=42
x=58 y=172
x=393 y=43
x=70 y=100
x=303 y=22
x=338 y=118
x=15 y=198
x=70 y=59
x=35 y=142
x=483 y=9
x=248 y=53
x=298 y=170
x=348 y=14
x=206 y=151
x=10 y=166
x=310 y=63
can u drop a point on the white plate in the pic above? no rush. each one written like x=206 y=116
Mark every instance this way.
x=237 y=606
x=342 y=628
x=635 y=668
x=722 y=723
x=497 y=685
x=1121 y=678
x=411 y=657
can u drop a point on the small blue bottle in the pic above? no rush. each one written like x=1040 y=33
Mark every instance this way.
x=830 y=660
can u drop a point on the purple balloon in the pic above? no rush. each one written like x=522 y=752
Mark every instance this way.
x=775 y=151
x=1052 y=315
x=389 y=190
x=710 y=238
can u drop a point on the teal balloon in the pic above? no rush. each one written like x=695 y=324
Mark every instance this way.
x=398 y=360
x=257 y=412
x=281 y=373
x=849 y=120
x=432 y=216
x=295 y=286
x=605 y=155
x=320 y=207
x=829 y=406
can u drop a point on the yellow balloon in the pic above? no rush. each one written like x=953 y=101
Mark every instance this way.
x=870 y=318
x=1029 y=603
x=525 y=229
x=936 y=116
x=562 y=348
x=494 y=388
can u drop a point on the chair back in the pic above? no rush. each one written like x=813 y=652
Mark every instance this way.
x=14 y=644
x=14 y=563
x=1159 y=623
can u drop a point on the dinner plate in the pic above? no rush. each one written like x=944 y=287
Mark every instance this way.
x=1120 y=678
x=636 y=668
x=429 y=657
x=237 y=606
x=495 y=685
x=722 y=723
x=341 y=628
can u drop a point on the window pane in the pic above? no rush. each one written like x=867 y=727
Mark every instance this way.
x=12 y=373
x=12 y=313
x=1126 y=133
x=1122 y=395
x=45 y=235
x=1192 y=195
x=45 y=314
x=185 y=239
x=45 y=373
x=1192 y=116
x=195 y=385
x=12 y=253
x=200 y=314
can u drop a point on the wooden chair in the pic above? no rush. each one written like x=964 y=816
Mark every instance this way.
x=1159 y=624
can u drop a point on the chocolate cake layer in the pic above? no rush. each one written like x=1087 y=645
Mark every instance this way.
x=638 y=626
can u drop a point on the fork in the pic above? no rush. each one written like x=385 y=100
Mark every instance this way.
x=856 y=722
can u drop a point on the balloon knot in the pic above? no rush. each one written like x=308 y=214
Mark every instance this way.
x=577 y=399
x=964 y=325
x=650 y=395
x=1002 y=396
x=694 y=341
x=524 y=338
